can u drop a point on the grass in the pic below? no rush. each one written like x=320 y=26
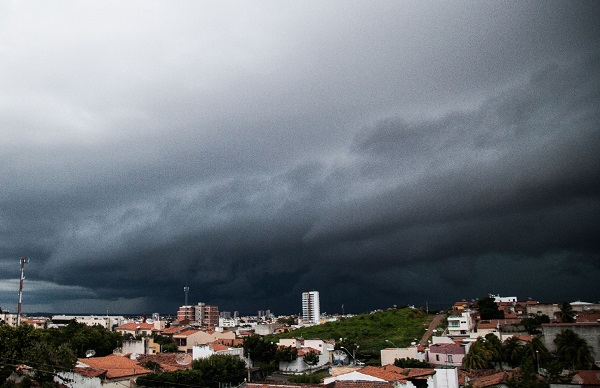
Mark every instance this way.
x=370 y=331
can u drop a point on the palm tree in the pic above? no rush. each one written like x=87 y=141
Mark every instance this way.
x=494 y=346
x=479 y=357
x=567 y=315
x=512 y=351
x=573 y=350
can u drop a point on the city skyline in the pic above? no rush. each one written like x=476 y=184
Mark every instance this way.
x=389 y=153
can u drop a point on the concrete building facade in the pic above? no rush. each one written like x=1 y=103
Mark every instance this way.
x=311 y=307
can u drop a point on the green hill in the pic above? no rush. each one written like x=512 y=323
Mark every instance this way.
x=370 y=331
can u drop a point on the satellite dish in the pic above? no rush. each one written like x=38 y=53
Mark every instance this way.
x=183 y=359
x=134 y=356
x=339 y=357
x=90 y=353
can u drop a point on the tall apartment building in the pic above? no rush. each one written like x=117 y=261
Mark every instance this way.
x=311 y=307
x=207 y=315
x=186 y=313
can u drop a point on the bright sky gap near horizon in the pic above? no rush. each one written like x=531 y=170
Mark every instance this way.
x=387 y=152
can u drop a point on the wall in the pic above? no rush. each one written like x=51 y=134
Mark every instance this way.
x=389 y=355
x=590 y=332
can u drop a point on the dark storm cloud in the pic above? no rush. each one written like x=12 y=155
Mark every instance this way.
x=388 y=154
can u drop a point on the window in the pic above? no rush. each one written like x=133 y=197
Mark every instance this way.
x=437 y=357
x=450 y=358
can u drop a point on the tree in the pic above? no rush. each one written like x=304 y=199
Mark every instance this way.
x=46 y=360
x=411 y=363
x=261 y=352
x=512 y=352
x=567 y=315
x=479 y=356
x=311 y=358
x=167 y=344
x=526 y=377
x=220 y=369
x=494 y=347
x=573 y=351
x=288 y=321
x=489 y=309
x=533 y=322
x=286 y=354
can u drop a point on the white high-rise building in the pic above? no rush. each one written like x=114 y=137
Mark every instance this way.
x=311 y=307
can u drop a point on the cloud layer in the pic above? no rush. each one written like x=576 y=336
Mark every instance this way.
x=382 y=153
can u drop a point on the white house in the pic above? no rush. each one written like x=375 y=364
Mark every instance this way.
x=460 y=324
x=207 y=350
x=389 y=355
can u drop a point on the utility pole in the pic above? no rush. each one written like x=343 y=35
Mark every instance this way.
x=23 y=261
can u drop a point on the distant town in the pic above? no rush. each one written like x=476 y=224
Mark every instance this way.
x=492 y=341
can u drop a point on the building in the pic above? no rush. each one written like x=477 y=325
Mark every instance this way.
x=311 y=307
x=207 y=316
x=446 y=355
x=186 y=314
x=189 y=338
x=460 y=324
x=390 y=355
x=399 y=377
x=109 y=322
x=137 y=329
x=506 y=299
x=112 y=370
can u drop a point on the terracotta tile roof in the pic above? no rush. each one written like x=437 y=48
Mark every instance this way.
x=361 y=384
x=134 y=326
x=235 y=342
x=167 y=361
x=342 y=370
x=219 y=347
x=491 y=380
x=587 y=378
x=90 y=372
x=524 y=338
x=186 y=333
x=488 y=325
x=173 y=330
x=393 y=373
x=115 y=366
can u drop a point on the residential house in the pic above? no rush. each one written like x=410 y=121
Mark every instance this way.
x=300 y=366
x=401 y=377
x=207 y=350
x=136 y=329
x=460 y=324
x=110 y=371
x=106 y=321
x=188 y=338
x=488 y=327
x=389 y=355
x=446 y=354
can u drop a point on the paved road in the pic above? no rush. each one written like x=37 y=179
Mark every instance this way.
x=435 y=322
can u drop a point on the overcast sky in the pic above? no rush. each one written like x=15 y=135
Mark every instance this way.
x=380 y=152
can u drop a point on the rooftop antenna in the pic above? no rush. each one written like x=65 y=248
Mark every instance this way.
x=186 y=289
x=23 y=261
